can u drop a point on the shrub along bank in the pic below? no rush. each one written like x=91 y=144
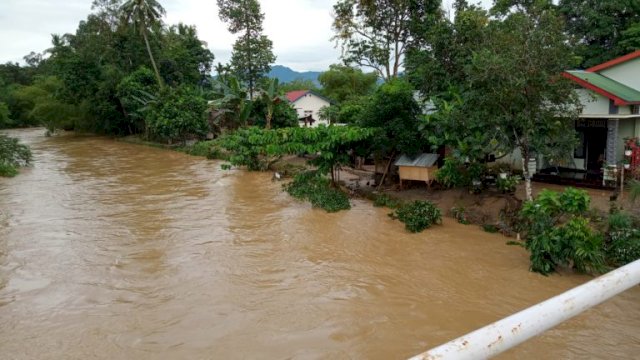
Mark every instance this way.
x=12 y=156
x=559 y=230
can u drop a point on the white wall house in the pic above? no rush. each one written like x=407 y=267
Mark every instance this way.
x=308 y=104
x=610 y=96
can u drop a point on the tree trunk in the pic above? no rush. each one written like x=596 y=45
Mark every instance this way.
x=528 y=191
x=386 y=170
x=269 y=116
x=153 y=61
x=333 y=176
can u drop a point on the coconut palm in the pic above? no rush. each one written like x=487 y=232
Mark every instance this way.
x=142 y=14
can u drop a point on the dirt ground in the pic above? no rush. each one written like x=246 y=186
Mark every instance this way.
x=484 y=208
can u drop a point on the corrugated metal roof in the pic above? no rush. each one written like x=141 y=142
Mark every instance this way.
x=611 y=86
x=422 y=160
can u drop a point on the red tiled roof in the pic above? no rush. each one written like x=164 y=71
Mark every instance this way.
x=295 y=95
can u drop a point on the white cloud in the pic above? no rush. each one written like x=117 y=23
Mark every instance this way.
x=300 y=29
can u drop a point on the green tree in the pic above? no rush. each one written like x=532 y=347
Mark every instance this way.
x=5 y=119
x=252 y=54
x=177 y=114
x=270 y=98
x=143 y=15
x=515 y=84
x=230 y=107
x=513 y=95
x=299 y=84
x=135 y=91
x=185 y=59
x=604 y=29
x=40 y=104
x=440 y=51
x=375 y=34
x=393 y=109
x=283 y=114
x=341 y=83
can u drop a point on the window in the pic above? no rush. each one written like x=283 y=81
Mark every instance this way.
x=613 y=108
x=635 y=109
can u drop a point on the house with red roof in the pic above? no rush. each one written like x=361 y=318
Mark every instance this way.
x=308 y=104
x=610 y=96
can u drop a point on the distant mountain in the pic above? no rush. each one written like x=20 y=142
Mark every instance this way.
x=285 y=74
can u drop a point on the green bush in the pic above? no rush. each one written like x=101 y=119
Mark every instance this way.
x=318 y=191
x=460 y=213
x=623 y=244
x=452 y=174
x=7 y=170
x=490 y=228
x=508 y=184
x=178 y=114
x=558 y=233
x=580 y=244
x=12 y=155
x=209 y=149
x=456 y=174
x=418 y=215
x=385 y=200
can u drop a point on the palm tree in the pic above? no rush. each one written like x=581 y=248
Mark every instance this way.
x=142 y=14
x=231 y=101
x=270 y=98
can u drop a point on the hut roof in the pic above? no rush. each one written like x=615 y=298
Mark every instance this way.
x=422 y=160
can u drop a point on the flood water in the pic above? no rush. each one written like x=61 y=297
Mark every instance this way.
x=114 y=250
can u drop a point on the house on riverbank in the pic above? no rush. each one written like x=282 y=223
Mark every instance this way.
x=307 y=104
x=610 y=97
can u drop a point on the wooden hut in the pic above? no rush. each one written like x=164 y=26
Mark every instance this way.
x=421 y=168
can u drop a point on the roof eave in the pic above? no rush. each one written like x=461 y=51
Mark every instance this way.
x=616 y=99
x=614 y=62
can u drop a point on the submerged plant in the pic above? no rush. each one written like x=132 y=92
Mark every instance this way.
x=418 y=215
x=318 y=191
x=12 y=155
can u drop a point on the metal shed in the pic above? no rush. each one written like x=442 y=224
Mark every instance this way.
x=421 y=168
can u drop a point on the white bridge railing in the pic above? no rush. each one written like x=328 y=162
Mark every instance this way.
x=517 y=328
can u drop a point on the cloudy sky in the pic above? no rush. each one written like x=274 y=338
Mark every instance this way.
x=300 y=29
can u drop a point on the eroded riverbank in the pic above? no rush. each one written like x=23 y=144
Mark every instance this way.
x=114 y=250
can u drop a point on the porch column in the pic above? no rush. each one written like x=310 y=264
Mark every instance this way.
x=612 y=141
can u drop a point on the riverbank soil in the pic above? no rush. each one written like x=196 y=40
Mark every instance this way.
x=488 y=207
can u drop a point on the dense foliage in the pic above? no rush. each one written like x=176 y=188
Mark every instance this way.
x=375 y=34
x=504 y=95
x=393 y=109
x=603 y=29
x=311 y=186
x=418 y=215
x=12 y=155
x=558 y=232
x=258 y=148
x=177 y=114
x=623 y=243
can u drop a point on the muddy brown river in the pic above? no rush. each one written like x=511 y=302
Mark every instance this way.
x=120 y=251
